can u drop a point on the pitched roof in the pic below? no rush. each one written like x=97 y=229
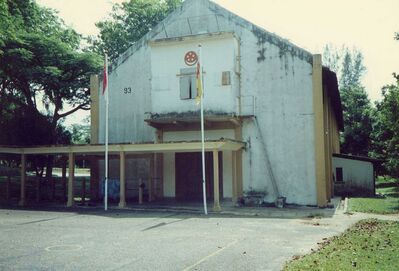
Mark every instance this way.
x=262 y=34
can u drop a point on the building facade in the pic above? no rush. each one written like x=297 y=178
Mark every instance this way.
x=259 y=89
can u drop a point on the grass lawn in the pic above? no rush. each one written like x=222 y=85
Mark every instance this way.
x=386 y=203
x=368 y=245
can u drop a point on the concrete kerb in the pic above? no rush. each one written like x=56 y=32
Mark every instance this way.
x=262 y=212
x=265 y=212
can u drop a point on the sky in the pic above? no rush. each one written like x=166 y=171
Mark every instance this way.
x=368 y=25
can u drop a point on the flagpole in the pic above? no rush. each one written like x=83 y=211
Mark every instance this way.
x=202 y=131
x=106 y=136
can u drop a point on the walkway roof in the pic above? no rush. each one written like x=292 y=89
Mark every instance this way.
x=186 y=146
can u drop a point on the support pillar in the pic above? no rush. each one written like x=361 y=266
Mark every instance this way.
x=239 y=184
x=234 y=176
x=71 y=173
x=83 y=191
x=22 y=200
x=63 y=180
x=94 y=179
x=38 y=179
x=158 y=165
x=216 y=201
x=52 y=195
x=122 y=183
x=150 y=179
x=8 y=188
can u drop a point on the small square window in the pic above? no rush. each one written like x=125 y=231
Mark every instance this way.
x=226 y=78
x=339 y=175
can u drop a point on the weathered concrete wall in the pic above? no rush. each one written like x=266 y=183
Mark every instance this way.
x=127 y=110
x=279 y=76
x=275 y=72
x=167 y=59
x=358 y=177
x=136 y=169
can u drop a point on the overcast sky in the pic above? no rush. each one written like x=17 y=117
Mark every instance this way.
x=368 y=25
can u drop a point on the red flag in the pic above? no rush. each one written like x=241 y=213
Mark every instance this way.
x=105 y=75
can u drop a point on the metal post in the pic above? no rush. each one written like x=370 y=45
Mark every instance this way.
x=202 y=133
x=106 y=136
x=140 y=192
x=8 y=187
x=23 y=180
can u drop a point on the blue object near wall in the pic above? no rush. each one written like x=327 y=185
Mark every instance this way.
x=113 y=188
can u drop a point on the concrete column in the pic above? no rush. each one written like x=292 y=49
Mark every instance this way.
x=94 y=109
x=63 y=179
x=38 y=179
x=158 y=165
x=52 y=182
x=22 y=200
x=234 y=176
x=150 y=179
x=71 y=164
x=8 y=187
x=216 y=202
x=83 y=191
x=94 y=179
x=239 y=186
x=122 y=184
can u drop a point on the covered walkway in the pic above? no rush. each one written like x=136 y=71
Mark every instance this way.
x=121 y=151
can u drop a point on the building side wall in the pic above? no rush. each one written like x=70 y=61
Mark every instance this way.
x=129 y=100
x=358 y=176
x=268 y=71
x=282 y=86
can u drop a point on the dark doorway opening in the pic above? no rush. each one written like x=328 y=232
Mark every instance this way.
x=188 y=170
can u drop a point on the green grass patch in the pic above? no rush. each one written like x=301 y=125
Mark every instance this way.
x=385 y=180
x=387 y=202
x=368 y=245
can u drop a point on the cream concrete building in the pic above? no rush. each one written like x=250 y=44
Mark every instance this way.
x=272 y=115
x=259 y=89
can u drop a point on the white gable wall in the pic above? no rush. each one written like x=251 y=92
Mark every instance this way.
x=277 y=75
x=127 y=111
x=167 y=59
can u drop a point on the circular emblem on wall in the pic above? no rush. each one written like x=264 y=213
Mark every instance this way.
x=191 y=58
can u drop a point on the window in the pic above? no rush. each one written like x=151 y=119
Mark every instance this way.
x=188 y=83
x=226 y=78
x=339 y=174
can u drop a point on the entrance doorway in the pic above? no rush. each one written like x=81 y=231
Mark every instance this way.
x=188 y=168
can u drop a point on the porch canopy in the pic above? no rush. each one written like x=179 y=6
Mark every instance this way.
x=186 y=146
x=122 y=149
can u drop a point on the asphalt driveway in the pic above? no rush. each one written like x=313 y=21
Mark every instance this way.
x=128 y=240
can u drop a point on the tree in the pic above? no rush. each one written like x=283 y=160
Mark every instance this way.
x=129 y=22
x=81 y=132
x=42 y=66
x=44 y=77
x=386 y=128
x=356 y=106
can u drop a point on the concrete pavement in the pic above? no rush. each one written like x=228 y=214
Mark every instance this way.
x=91 y=239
